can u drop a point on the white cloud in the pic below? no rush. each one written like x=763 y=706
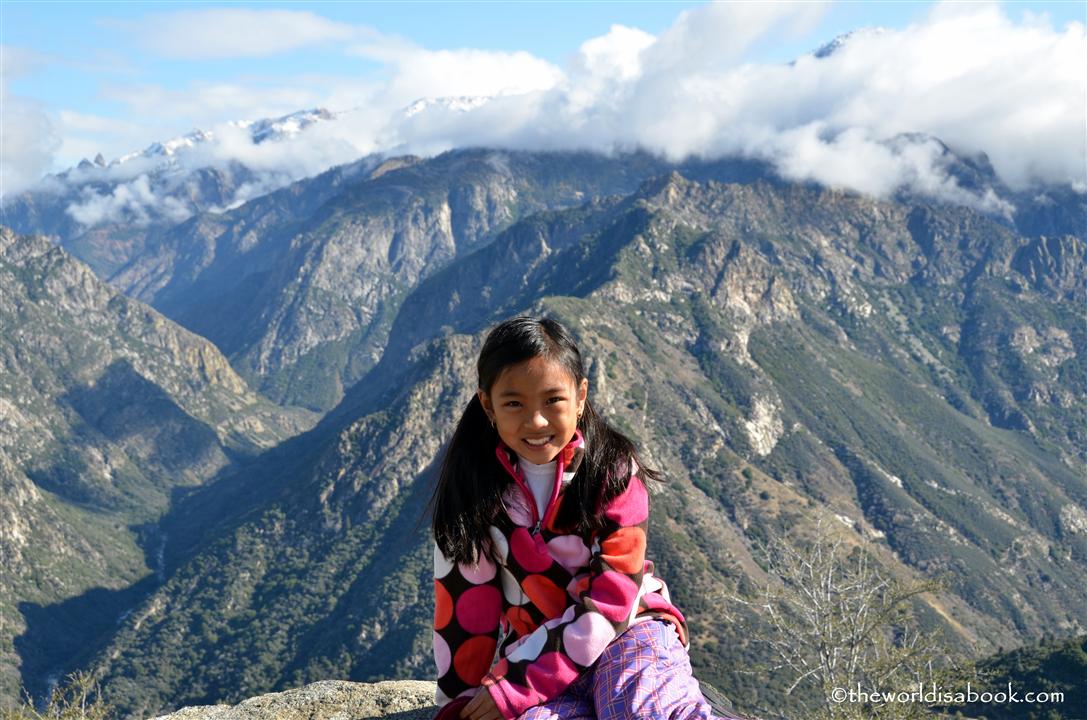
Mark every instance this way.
x=615 y=56
x=417 y=72
x=132 y=202
x=966 y=74
x=978 y=81
x=316 y=150
x=235 y=32
x=716 y=35
x=29 y=142
x=856 y=159
x=28 y=138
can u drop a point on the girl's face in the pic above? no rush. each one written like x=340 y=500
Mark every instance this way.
x=535 y=406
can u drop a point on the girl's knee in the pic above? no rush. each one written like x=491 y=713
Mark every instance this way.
x=646 y=674
x=653 y=640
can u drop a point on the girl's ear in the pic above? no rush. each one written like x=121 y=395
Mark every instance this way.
x=582 y=394
x=485 y=401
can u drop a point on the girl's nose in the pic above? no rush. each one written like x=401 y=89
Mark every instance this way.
x=537 y=420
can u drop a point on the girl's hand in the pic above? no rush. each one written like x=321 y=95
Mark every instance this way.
x=481 y=707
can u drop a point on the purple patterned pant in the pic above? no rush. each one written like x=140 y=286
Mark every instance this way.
x=643 y=673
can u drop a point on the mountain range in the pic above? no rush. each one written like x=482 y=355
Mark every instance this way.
x=228 y=435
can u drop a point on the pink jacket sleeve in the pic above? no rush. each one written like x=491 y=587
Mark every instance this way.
x=550 y=659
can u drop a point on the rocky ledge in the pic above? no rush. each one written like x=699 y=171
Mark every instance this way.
x=327 y=700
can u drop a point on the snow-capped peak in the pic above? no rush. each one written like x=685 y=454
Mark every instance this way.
x=267 y=129
x=463 y=103
x=283 y=127
x=842 y=40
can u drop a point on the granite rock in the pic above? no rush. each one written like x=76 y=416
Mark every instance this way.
x=327 y=700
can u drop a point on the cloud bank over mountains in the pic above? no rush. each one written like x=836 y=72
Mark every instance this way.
x=863 y=113
x=967 y=75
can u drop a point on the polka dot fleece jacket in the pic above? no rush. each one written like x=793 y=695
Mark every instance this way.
x=554 y=600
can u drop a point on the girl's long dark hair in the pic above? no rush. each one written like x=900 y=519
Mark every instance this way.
x=468 y=495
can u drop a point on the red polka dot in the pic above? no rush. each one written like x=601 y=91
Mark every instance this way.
x=443 y=606
x=613 y=595
x=473 y=658
x=520 y=621
x=551 y=674
x=478 y=609
x=530 y=551
x=624 y=550
x=545 y=595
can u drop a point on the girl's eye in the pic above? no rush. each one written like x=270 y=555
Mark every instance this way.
x=556 y=399
x=512 y=403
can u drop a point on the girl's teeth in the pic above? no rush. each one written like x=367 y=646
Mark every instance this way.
x=543 y=441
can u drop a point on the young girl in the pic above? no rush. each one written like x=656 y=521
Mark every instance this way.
x=540 y=518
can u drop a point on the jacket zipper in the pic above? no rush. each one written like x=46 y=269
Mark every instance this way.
x=518 y=476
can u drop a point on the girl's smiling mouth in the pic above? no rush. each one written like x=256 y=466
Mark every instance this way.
x=539 y=442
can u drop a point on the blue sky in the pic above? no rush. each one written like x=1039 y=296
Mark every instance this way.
x=86 y=45
x=111 y=77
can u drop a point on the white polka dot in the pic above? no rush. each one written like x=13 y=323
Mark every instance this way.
x=512 y=589
x=479 y=573
x=530 y=648
x=442 y=565
x=442 y=655
x=570 y=551
x=501 y=545
x=586 y=638
x=566 y=617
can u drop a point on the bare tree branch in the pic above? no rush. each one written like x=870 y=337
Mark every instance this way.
x=835 y=619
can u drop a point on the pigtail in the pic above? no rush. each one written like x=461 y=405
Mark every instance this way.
x=468 y=494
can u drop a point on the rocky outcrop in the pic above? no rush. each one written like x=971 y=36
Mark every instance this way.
x=327 y=700
x=1057 y=265
x=344 y=700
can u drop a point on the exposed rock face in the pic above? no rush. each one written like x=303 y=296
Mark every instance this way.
x=765 y=428
x=327 y=700
x=299 y=291
x=1073 y=519
x=1057 y=265
x=69 y=336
